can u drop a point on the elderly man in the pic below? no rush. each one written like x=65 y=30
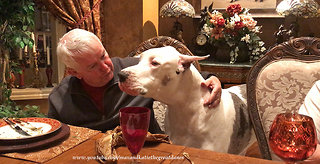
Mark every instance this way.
x=91 y=96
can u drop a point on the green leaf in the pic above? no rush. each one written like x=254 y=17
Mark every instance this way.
x=21 y=45
x=31 y=7
x=24 y=28
x=30 y=44
x=25 y=40
x=17 y=39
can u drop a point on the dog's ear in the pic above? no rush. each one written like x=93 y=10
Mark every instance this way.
x=186 y=60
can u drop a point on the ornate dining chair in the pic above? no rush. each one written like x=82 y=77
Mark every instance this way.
x=155 y=42
x=161 y=41
x=278 y=82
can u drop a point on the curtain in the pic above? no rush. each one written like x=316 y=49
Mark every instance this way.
x=84 y=14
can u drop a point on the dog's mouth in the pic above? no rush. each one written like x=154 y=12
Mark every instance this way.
x=132 y=90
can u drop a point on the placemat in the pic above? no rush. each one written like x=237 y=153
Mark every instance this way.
x=77 y=136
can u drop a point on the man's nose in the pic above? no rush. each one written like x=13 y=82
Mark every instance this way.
x=103 y=67
x=123 y=76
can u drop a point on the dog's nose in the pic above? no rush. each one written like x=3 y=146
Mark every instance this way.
x=123 y=76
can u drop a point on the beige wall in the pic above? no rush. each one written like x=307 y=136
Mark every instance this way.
x=127 y=24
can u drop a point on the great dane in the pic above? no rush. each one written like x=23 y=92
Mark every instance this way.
x=169 y=77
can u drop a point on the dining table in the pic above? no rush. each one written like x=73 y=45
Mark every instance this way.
x=80 y=147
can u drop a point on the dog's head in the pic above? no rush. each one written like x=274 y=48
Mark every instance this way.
x=159 y=70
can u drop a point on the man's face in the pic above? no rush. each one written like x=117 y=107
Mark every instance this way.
x=96 y=69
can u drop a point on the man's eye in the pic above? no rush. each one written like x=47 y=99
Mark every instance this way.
x=103 y=57
x=154 y=63
x=92 y=66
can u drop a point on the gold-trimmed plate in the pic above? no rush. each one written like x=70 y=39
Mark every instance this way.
x=35 y=126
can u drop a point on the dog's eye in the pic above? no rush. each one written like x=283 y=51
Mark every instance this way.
x=154 y=63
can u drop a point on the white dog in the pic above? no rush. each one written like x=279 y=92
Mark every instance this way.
x=169 y=77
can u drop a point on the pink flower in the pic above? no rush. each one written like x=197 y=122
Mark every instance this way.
x=221 y=22
x=217 y=33
x=238 y=25
x=217 y=19
x=248 y=21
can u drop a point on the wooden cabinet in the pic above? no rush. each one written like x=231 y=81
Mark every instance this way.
x=228 y=74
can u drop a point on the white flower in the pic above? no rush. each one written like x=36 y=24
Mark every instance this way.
x=206 y=29
x=246 y=38
x=256 y=29
x=246 y=11
x=263 y=49
x=216 y=12
x=261 y=44
x=230 y=24
x=236 y=18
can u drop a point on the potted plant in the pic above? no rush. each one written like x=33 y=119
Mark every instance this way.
x=16 y=24
x=234 y=31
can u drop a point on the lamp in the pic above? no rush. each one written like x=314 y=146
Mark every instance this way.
x=298 y=8
x=177 y=9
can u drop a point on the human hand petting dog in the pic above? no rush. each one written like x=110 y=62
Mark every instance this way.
x=213 y=83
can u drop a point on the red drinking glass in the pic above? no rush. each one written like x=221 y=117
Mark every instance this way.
x=134 y=122
x=293 y=137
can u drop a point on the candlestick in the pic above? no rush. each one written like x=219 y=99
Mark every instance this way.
x=36 y=80
x=34 y=41
x=48 y=56
x=44 y=43
x=49 y=76
x=26 y=49
x=20 y=54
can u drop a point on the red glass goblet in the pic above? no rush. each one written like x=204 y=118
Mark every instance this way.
x=134 y=122
x=293 y=137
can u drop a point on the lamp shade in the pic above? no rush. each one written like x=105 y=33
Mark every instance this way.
x=299 y=8
x=177 y=8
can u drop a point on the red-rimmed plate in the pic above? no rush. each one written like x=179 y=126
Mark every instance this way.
x=35 y=126
x=37 y=143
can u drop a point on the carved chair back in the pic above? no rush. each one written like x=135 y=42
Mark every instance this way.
x=161 y=41
x=279 y=82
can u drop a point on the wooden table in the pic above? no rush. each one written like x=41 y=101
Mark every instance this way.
x=85 y=152
x=228 y=74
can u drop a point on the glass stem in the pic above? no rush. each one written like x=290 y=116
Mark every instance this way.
x=134 y=159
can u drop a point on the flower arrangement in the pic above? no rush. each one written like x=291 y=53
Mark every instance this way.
x=235 y=29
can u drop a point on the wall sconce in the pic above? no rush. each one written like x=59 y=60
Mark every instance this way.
x=298 y=9
x=177 y=9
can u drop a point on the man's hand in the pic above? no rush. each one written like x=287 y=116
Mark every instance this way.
x=214 y=85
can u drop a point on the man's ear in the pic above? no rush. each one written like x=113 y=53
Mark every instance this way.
x=73 y=72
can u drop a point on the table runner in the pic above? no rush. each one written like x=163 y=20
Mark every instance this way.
x=77 y=136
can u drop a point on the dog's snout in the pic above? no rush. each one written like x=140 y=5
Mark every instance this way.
x=123 y=76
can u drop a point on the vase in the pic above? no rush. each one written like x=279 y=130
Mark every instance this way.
x=222 y=54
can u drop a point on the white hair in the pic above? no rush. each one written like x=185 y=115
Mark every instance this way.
x=76 y=42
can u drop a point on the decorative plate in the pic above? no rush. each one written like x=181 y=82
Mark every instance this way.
x=34 y=126
x=36 y=142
